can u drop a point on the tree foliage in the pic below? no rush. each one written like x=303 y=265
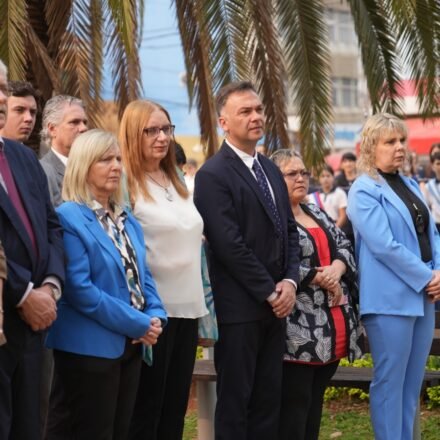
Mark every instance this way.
x=61 y=46
x=281 y=45
x=284 y=43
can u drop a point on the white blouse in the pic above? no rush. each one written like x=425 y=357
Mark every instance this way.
x=173 y=236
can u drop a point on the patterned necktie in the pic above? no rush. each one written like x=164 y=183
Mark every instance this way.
x=15 y=198
x=264 y=186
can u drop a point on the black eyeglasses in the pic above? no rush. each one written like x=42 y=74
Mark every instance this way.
x=295 y=174
x=420 y=224
x=168 y=130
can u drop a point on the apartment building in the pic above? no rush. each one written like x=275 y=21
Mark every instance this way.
x=349 y=92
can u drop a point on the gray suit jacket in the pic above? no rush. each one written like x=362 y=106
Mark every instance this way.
x=54 y=169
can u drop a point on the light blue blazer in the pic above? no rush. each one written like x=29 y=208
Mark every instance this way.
x=94 y=313
x=392 y=275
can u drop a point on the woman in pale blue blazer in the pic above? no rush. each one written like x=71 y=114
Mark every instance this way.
x=398 y=255
x=110 y=305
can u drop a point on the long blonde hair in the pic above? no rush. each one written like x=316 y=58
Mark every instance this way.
x=87 y=149
x=375 y=127
x=134 y=120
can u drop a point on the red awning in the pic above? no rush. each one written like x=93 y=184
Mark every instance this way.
x=422 y=134
x=334 y=160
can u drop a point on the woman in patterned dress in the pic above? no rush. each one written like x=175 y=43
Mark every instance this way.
x=323 y=326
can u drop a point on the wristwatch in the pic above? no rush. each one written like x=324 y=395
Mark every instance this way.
x=54 y=291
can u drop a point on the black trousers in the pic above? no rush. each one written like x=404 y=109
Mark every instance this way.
x=99 y=393
x=20 y=366
x=164 y=387
x=45 y=387
x=248 y=360
x=58 y=416
x=302 y=399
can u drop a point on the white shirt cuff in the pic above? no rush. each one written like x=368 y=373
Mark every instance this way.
x=28 y=290
x=291 y=282
x=48 y=280
x=52 y=280
x=272 y=297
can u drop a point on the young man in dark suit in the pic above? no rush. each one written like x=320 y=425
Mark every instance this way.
x=32 y=240
x=22 y=110
x=254 y=262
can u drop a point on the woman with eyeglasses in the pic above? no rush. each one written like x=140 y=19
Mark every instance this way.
x=398 y=254
x=323 y=326
x=172 y=229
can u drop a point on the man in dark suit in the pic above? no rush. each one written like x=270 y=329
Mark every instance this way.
x=64 y=118
x=254 y=262
x=32 y=239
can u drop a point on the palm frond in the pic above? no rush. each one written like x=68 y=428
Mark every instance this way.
x=305 y=38
x=122 y=50
x=418 y=24
x=37 y=19
x=43 y=68
x=97 y=49
x=376 y=35
x=226 y=25
x=40 y=69
x=265 y=55
x=12 y=37
x=124 y=14
x=57 y=18
x=75 y=58
x=195 y=41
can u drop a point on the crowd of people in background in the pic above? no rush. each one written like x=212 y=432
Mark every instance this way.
x=104 y=291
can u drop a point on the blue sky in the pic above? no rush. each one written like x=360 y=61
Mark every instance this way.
x=162 y=66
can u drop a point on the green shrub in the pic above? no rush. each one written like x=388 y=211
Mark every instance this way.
x=433 y=397
x=433 y=392
x=333 y=393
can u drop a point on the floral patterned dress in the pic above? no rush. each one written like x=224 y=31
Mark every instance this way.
x=311 y=329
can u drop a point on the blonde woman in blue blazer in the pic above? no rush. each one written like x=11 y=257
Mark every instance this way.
x=398 y=255
x=110 y=304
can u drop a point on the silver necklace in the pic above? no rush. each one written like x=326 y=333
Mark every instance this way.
x=168 y=194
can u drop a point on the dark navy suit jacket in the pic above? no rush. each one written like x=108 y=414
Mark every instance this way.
x=23 y=264
x=246 y=254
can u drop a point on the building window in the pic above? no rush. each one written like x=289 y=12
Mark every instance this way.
x=340 y=27
x=345 y=92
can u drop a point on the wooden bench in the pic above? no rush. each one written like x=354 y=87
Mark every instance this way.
x=204 y=376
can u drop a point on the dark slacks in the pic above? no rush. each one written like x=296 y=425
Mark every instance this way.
x=248 y=360
x=20 y=387
x=164 y=387
x=45 y=386
x=99 y=392
x=302 y=399
x=58 y=418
